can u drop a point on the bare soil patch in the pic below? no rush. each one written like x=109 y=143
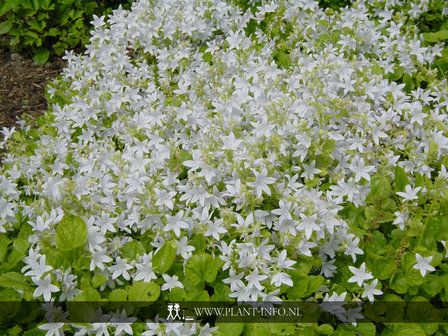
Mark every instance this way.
x=22 y=86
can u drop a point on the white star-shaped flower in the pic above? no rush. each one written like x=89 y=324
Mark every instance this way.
x=423 y=264
x=261 y=182
x=409 y=194
x=370 y=290
x=360 y=274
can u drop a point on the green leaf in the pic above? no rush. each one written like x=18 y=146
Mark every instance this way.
x=133 y=249
x=442 y=35
x=398 y=282
x=300 y=286
x=202 y=267
x=303 y=266
x=414 y=277
x=46 y=4
x=407 y=79
x=430 y=37
x=5 y=27
x=408 y=329
x=19 y=251
x=81 y=310
x=198 y=242
x=282 y=328
x=35 y=332
x=198 y=296
x=14 y=280
x=229 y=329
x=164 y=258
x=380 y=189
x=9 y=307
x=220 y=292
x=36 y=5
x=37 y=25
x=4 y=242
x=401 y=179
x=98 y=280
x=8 y=5
x=398 y=73
x=324 y=329
x=433 y=284
x=257 y=329
x=119 y=295
x=54 y=32
x=144 y=291
x=328 y=146
x=382 y=267
x=71 y=233
x=41 y=55
x=177 y=294
x=9 y=294
x=314 y=283
x=89 y=294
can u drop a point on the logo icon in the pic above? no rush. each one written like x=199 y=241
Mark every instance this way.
x=173 y=313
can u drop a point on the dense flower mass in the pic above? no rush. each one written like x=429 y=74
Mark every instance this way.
x=261 y=142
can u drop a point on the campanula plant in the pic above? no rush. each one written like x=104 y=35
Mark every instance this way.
x=198 y=151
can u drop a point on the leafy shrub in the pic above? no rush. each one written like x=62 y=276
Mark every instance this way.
x=200 y=152
x=45 y=27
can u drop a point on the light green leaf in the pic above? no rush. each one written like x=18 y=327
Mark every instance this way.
x=118 y=295
x=314 y=283
x=401 y=179
x=382 y=267
x=442 y=35
x=398 y=282
x=220 y=292
x=89 y=294
x=164 y=258
x=257 y=329
x=71 y=233
x=201 y=267
x=408 y=329
x=324 y=329
x=397 y=74
x=177 y=294
x=133 y=249
x=144 y=291
x=300 y=286
x=5 y=27
x=430 y=37
x=229 y=329
x=9 y=294
x=14 y=280
x=379 y=188
x=98 y=280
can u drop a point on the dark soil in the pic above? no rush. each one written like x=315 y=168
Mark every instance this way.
x=22 y=87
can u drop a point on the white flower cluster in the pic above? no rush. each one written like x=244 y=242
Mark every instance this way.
x=176 y=123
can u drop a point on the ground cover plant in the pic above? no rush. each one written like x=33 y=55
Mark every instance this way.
x=43 y=28
x=204 y=150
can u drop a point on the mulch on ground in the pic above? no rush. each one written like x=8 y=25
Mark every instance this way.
x=22 y=86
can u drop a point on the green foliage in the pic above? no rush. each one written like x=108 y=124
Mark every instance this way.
x=165 y=257
x=334 y=4
x=45 y=27
x=142 y=291
x=389 y=252
x=202 y=267
x=71 y=233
